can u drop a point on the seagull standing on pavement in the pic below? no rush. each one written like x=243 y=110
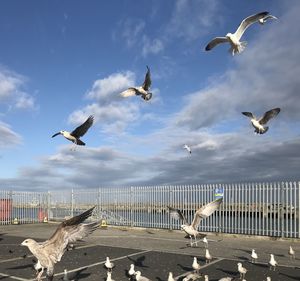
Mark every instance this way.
x=108 y=264
x=234 y=39
x=170 y=277
x=258 y=124
x=202 y=213
x=291 y=253
x=272 y=262
x=75 y=135
x=142 y=91
x=131 y=271
x=109 y=276
x=208 y=256
x=242 y=270
x=196 y=265
x=205 y=241
x=254 y=256
x=139 y=277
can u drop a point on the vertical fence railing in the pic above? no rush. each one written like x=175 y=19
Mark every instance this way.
x=270 y=209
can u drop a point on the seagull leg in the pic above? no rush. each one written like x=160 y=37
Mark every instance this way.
x=39 y=274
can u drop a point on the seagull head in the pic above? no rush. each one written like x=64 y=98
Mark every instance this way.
x=147 y=97
x=28 y=242
x=59 y=133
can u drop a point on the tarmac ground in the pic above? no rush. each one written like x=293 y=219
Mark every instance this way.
x=154 y=253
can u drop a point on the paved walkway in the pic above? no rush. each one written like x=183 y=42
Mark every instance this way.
x=154 y=252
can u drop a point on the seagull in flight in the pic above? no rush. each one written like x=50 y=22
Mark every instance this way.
x=75 y=135
x=268 y=17
x=49 y=252
x=202 y=213
x=237 y=46
x=258 y=124
x=188 y=148
x=142 y=91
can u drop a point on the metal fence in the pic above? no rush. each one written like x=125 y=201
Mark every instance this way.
x=270 y=209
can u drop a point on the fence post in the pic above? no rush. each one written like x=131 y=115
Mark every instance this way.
x=48 y=205
x=298 y=210
x=170 y=203
x=131 y=206
x=72 y=203
x=281 y=214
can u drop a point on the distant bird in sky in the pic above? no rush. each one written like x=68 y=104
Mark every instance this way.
x=242 y=270
x=268 y=17
x=258 y=124
x=142 y=91
x=234 y=39
x=202 y=213
x=75 y=135
x=291 y=253
x=272 y=262
x=51 y=251
x=254 y=256
x=188 y=148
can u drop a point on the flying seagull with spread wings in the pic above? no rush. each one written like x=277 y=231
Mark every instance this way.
x=188 y=148
x=51 y=251
x=75 y=135
x=234 y=39
x=202 y=213
x=258 y=124
x=142 y=91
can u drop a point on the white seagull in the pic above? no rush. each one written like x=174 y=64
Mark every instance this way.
x=170 y=277
x=196 y=265
x=188 y=148
x=226 y=279
x=139 y=277
x=75 y=135
x=254 y=256
x=208 y=256
x=108 y=264
x=142 y=91
x=205 y=241
x=234 y=39
x=202 y=213
x=49 y=252
x=291 y=253
x=242 y=270
x=258 y=124
x=131 y=271
x=272 y=262
x=109 y=276
x=206 y=278
x=268 y=17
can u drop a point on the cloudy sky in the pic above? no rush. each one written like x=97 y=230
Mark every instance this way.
x=61 y=61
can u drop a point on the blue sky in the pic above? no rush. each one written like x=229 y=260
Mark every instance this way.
x=61 y=61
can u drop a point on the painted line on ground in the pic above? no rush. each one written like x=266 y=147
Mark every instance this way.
x=103 y=262
x=201 y=267
x=14 y=277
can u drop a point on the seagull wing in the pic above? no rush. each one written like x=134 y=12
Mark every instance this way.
x=205 y=211
x=249 y=114
x=67 y=232
x=129 y=92
x=269 y=115
x=215 y=42
x=147 y=82
x=271 y=17
x=247 y=22
x=83 y=128
x=177 y=214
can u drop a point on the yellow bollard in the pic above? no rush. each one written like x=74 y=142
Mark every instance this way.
x=103 y=224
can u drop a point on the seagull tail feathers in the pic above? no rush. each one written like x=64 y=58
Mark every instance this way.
x=265 y=130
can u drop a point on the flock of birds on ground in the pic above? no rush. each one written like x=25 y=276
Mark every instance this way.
x=50 y=252
x=236 y=47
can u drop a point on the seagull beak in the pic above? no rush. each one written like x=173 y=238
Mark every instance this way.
x=56 y=134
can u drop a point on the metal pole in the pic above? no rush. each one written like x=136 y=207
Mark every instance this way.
x=72 y=203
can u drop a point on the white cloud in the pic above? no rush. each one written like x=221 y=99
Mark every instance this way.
x=107 y=89
x=8 y=136
x=154 y=46
x=11 y=90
